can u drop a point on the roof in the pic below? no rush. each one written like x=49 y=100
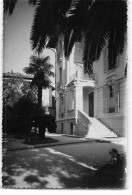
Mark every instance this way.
x=17 y=75
x=20 y=76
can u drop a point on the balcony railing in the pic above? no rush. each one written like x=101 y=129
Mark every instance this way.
x=79 y=75
x=59 y=84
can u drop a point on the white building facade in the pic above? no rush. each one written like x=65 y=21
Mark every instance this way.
x=92 y=106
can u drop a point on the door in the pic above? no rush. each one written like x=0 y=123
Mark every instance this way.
x=91 y=104
x=71 y=128
x=62 y=128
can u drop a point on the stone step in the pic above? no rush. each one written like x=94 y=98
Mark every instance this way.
x=96 y=129
x=102 y=129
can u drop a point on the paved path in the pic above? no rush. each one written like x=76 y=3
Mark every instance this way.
x=12 y=143
x=69 y=165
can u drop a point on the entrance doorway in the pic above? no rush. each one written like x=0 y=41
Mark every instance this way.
x=62 y=128
x=91 y=104
x=71 y=128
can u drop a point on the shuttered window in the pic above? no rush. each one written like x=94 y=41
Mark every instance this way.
x=107 y=66
x=105 y=58
x=78 y=53
x=117 y=87
x=105 y=99
x=70 y=100
x=61 y=106
x=111 y=98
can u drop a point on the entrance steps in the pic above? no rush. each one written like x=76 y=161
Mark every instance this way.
x=91 y=127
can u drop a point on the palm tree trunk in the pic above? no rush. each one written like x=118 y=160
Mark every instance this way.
x=39 y=97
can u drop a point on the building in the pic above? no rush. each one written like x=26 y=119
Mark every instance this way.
x=48 y=97
x=92 y=106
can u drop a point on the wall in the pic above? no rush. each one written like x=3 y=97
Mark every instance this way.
x=116 y=120
x=102 y=76
x=66 y=126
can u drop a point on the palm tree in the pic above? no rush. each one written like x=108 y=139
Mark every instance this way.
x=99 y=21
x=41 y=69
x=9 y=5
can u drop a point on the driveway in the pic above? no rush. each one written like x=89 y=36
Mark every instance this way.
x=68 y=165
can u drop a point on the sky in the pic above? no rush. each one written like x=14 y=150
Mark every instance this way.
x=16 y=38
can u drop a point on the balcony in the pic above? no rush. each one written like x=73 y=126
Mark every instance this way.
x=59 y=84
x=81 y=76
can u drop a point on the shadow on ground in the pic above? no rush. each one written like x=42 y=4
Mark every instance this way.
x=18 y=143
x=36 y=140
x=48 y=168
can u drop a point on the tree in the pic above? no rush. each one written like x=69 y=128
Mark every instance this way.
x=98 y=21
x=41 y=69
x=19 y=103
x=15 y=88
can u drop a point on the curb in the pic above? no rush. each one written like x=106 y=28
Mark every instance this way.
x=55 y=144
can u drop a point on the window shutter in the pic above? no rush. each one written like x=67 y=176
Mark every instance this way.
x=117 y=60
x=64 y=104
x=60 y=106
x=105 y=99
x=72 y=103
x=117 y=86
x=105 y=58
x=69 y=100
x=78 y=53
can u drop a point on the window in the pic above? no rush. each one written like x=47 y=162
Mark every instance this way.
x=78 y=53
x=105 y=58
x=60 y=74
x=111 y=89
x=111 y=101
x=107 y=66
x=71 y=124
x=62 y=128
x=111 y=98
x=61 y=112
x=70 y=100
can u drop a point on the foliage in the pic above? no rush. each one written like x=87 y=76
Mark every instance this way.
x=41 y=69
x=18 y=104
x=16 y=118
x=15 y=88
x=100 y=22
x=43 y=121
x=9 y=5
x=112 y=174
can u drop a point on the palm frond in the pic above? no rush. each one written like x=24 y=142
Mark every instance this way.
x=53 y=13
x=87 y=67
x=41 y=69
x=33 y=2
x=9 y=6
x=29 y=70
x=107 y=20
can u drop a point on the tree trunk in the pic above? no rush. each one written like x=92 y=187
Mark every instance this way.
x=39 y=97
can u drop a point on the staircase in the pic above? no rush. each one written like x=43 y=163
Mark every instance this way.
x=91 y=127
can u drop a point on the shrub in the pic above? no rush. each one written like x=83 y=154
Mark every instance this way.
x=112 y=174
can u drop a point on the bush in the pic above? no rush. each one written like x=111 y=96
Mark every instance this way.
x=16 y=118
x=112 y=174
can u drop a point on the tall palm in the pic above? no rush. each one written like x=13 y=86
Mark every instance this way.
x=41 y=69
x=97 y=20
x=9 y=5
